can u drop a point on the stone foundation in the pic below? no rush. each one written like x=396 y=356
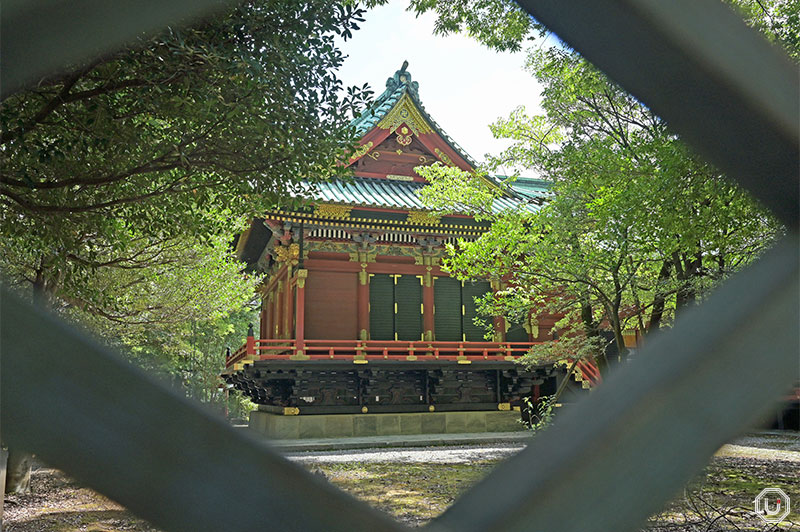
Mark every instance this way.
x=277 y=426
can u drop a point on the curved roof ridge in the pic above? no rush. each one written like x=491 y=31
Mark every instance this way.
x=401 y=82
x=396 y=85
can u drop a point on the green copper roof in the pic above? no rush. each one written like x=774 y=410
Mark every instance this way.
x=370 y=192
x=528 y=186
x=396 y=86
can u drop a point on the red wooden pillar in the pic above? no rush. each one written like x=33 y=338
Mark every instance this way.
x=363 y=304
x=270 y=315
x=263 y=327
x=287 y=326
x=278 y=310
x=427 y=305
x=499 y=323
x=300 y=309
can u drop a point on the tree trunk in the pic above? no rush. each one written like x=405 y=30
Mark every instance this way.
x=687 y=269
x=18 y=472
x=616 y=326
x=564 y=383
x=592 y=331
x=684 y=294
x=659 y=300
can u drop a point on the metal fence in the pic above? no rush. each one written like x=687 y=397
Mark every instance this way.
x=652 y=426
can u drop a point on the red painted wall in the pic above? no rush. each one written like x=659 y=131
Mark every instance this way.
x=331 y=305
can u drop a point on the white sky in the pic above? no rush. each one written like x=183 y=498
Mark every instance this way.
x=463 y=85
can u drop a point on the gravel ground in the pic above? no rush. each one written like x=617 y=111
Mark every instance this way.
x=764 y=446
x=431 y=455
x=784 y=440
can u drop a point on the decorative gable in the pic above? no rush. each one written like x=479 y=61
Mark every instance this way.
x=398 y=135
x=405 y=113
x=397 y=155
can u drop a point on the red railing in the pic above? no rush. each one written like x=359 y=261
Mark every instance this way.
x=362 y=351
x=277 y=349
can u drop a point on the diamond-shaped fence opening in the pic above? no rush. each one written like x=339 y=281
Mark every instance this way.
x=642 y=435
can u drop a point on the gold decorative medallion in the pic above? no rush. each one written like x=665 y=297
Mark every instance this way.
x=403 y=140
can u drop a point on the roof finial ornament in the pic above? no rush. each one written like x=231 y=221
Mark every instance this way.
x=402 y=77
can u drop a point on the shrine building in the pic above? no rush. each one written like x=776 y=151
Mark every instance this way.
x=357 y=316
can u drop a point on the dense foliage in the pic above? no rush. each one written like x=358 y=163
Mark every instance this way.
x=504 y=26
x=124 y=179
x=637 y=227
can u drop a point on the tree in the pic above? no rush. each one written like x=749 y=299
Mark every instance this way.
x=124 y=178
x=158 y=139
x=190 y=355
x=504 y=26
x=637 y=227
x=777 y=20
x=715 y=221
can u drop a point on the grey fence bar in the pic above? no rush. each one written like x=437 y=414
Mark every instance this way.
x=83 y=409
x=42 y=37
x=621 y=454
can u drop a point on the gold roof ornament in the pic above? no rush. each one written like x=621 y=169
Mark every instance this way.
x=290 y=253
x=444 y=157
x=329 y=210
x=423 y=218
x=361 y=151
x=405 y=112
